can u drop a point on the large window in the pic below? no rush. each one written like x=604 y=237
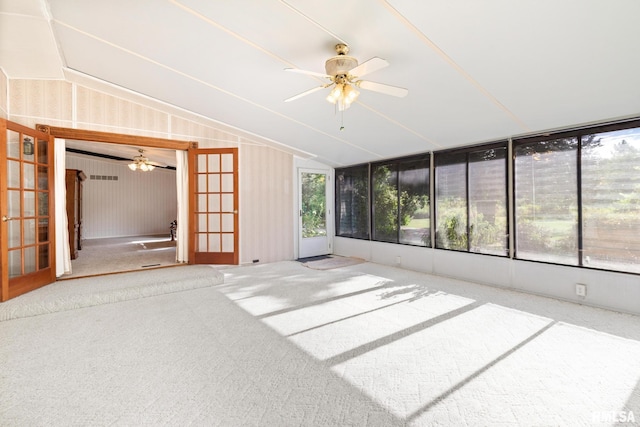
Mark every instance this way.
x=575 y=195
x=471 y=200
x=611 y=200
x=488 y=201
x=451 y=201
x=352 y=202
x=546 y=200
x=400 y=203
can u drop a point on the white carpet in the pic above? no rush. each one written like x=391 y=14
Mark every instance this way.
x=332 y=262
x=283 y=345
x=119 y=254
x=91 y=291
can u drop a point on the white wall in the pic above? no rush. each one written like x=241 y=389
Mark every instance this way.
x=137 y=203
x=617 y=291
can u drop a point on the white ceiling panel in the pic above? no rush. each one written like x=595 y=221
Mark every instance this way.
x=27 y=45
x=550 y=63
x=475 y=71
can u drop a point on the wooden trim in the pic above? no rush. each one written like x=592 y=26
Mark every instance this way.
x=192 y=173
x=4 y=229
x=115 y=138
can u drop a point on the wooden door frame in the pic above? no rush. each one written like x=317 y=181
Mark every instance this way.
x=115 y=138
x=123 y=139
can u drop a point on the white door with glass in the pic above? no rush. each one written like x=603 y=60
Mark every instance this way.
x=313 y=213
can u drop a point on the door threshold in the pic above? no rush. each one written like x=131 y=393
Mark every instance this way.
x=110 y=273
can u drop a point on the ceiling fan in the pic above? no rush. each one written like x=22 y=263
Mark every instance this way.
x=343 y=73
x=140 y=162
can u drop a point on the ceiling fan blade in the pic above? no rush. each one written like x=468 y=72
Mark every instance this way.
x=305 y=93
x=369 y=66
x=382 y=88
x=311 y=73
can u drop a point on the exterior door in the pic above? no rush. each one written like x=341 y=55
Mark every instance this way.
x=213 y=189
x=27 y=242
x=313 y=237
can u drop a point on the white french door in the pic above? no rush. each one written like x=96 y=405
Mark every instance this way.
x=313 y=213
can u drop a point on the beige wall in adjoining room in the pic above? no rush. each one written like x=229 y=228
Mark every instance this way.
x=265 y=169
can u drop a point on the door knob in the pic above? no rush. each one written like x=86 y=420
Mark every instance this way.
x=6 y=218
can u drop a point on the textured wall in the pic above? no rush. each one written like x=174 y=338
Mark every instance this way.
x=266 y=204
x=266 y=198
x=137 y=203
x=4 y=101
x=40 y=101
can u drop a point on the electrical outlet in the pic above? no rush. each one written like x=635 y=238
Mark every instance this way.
x=398 y=260
x=581 y=290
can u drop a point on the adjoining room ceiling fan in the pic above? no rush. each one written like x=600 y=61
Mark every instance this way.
x=343 y=73
x=140 y=162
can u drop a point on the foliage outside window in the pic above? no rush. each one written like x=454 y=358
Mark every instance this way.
x=401 y=201
x=471 y=201
x=451 y=201
x=352 y=202
x=611 y=200
x=488 y=201
x=314 y=222
x=576 y=199
x=546 y=200
x=415 y=220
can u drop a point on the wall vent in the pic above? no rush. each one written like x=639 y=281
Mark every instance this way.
x=103 y=177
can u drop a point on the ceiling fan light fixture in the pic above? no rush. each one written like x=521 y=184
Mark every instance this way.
x=335 y=93
x=344 y=73
x=141 y=163
x=344 y=95
x=349 y=94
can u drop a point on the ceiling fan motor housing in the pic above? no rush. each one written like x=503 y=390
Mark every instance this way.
x=340 y=64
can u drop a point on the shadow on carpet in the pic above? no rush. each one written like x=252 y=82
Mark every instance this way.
x=91 y=291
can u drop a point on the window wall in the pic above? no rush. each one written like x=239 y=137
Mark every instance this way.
x=352 y=202
x=546 y=200
x=471 y=200
x=575 y=199
x=400 y=201
x=610 y=188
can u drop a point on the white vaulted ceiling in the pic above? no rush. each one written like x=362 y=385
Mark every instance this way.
x=476 y=71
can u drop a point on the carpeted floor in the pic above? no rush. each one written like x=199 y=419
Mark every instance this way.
x=118 y=254
x=97 y=290
x=284 y=345
x=330 y=262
